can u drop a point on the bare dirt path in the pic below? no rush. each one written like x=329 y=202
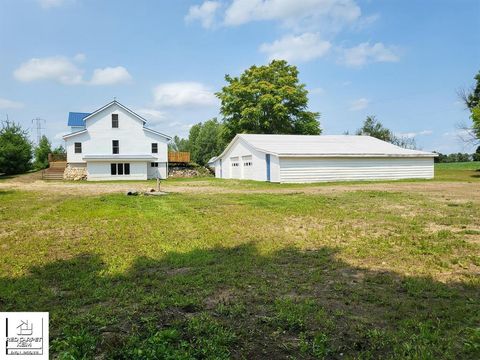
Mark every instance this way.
x=459 y=191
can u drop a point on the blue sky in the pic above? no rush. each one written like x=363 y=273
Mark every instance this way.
x=402 y=61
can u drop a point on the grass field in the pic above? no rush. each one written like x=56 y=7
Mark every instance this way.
x=472 y=165
x=365 y=274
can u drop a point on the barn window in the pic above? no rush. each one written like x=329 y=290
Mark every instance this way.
x=115 y=121
x=154 y=148
x=115 y=147
x=113 y=169
x=120 y=169
x=78 y=148
x=154 y=164
x=126 y=169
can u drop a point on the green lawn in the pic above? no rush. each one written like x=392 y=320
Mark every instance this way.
x=364 y=274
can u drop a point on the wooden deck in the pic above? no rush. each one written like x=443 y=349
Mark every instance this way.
x=178 y=157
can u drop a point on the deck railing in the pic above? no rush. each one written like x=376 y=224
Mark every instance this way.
x=178 y=156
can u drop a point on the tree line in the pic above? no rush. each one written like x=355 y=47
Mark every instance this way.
x=270 y=99
x=17 y=153
x=266 y=99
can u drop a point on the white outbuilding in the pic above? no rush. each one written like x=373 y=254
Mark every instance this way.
x=314 y=158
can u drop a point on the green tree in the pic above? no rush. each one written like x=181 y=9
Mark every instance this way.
x=179 y=144
x=472 y=98
x=475 y=116
x=373 y=127
x=206 y=141
x=472 y=102
x=476 y=154
x=59 y=150
x=15 y=149
x=41 y=153
x=267 y=100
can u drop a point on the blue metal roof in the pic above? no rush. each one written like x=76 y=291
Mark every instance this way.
x=76 y=118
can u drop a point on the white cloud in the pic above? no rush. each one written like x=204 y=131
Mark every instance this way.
x=79 y=57
x=359 y=104
x=291 y=12
x=205 y=13
x=365 y=53
x=331 y=15
x=304 y=47
x=51 y=3
x=317 y=91
x=183 y=95
x=414 y=134
x=58 y=68
x=63 y=70
x=110 y=76
x=154 y=116
x=10 y=104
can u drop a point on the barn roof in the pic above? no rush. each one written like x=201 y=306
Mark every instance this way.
x=326 y=145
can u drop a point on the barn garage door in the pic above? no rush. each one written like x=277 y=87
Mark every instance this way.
x=247 y=167
x=339 y=169
x=235 y=167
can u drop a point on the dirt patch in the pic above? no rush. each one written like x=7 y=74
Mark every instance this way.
x=449 y=192
x=223 y=296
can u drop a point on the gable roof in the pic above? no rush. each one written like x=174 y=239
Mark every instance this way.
x=115 y=102
x=157 y=133
x=326 y=146
x=76 y=118
x=75 y=133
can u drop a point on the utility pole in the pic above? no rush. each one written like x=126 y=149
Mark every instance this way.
x=38 y=126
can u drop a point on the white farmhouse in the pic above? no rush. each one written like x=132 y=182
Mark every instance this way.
x=312 y=158
x=112 y=143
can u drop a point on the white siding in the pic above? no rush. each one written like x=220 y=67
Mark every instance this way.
x=99 y=170
x=154 y=172
x=238 y=150
x=301 y=170
x=218 y=168
x=133 y=140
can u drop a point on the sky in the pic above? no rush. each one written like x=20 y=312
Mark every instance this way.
x=402 y=61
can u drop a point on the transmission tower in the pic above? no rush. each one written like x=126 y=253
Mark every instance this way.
x=38 y=126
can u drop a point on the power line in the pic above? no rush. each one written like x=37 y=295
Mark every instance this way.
x=38 y=127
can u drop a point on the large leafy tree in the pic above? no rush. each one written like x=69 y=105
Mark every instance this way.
x=267 y=100
x=41 y=153
x=205 y=141
x=15 y=149
x=373 y=127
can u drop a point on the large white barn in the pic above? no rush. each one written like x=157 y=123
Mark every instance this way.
x=312 y=158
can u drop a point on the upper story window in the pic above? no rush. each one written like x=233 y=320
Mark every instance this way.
x=115 y=147
x=78 y=148
x=115 y=121
x=154 y=148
